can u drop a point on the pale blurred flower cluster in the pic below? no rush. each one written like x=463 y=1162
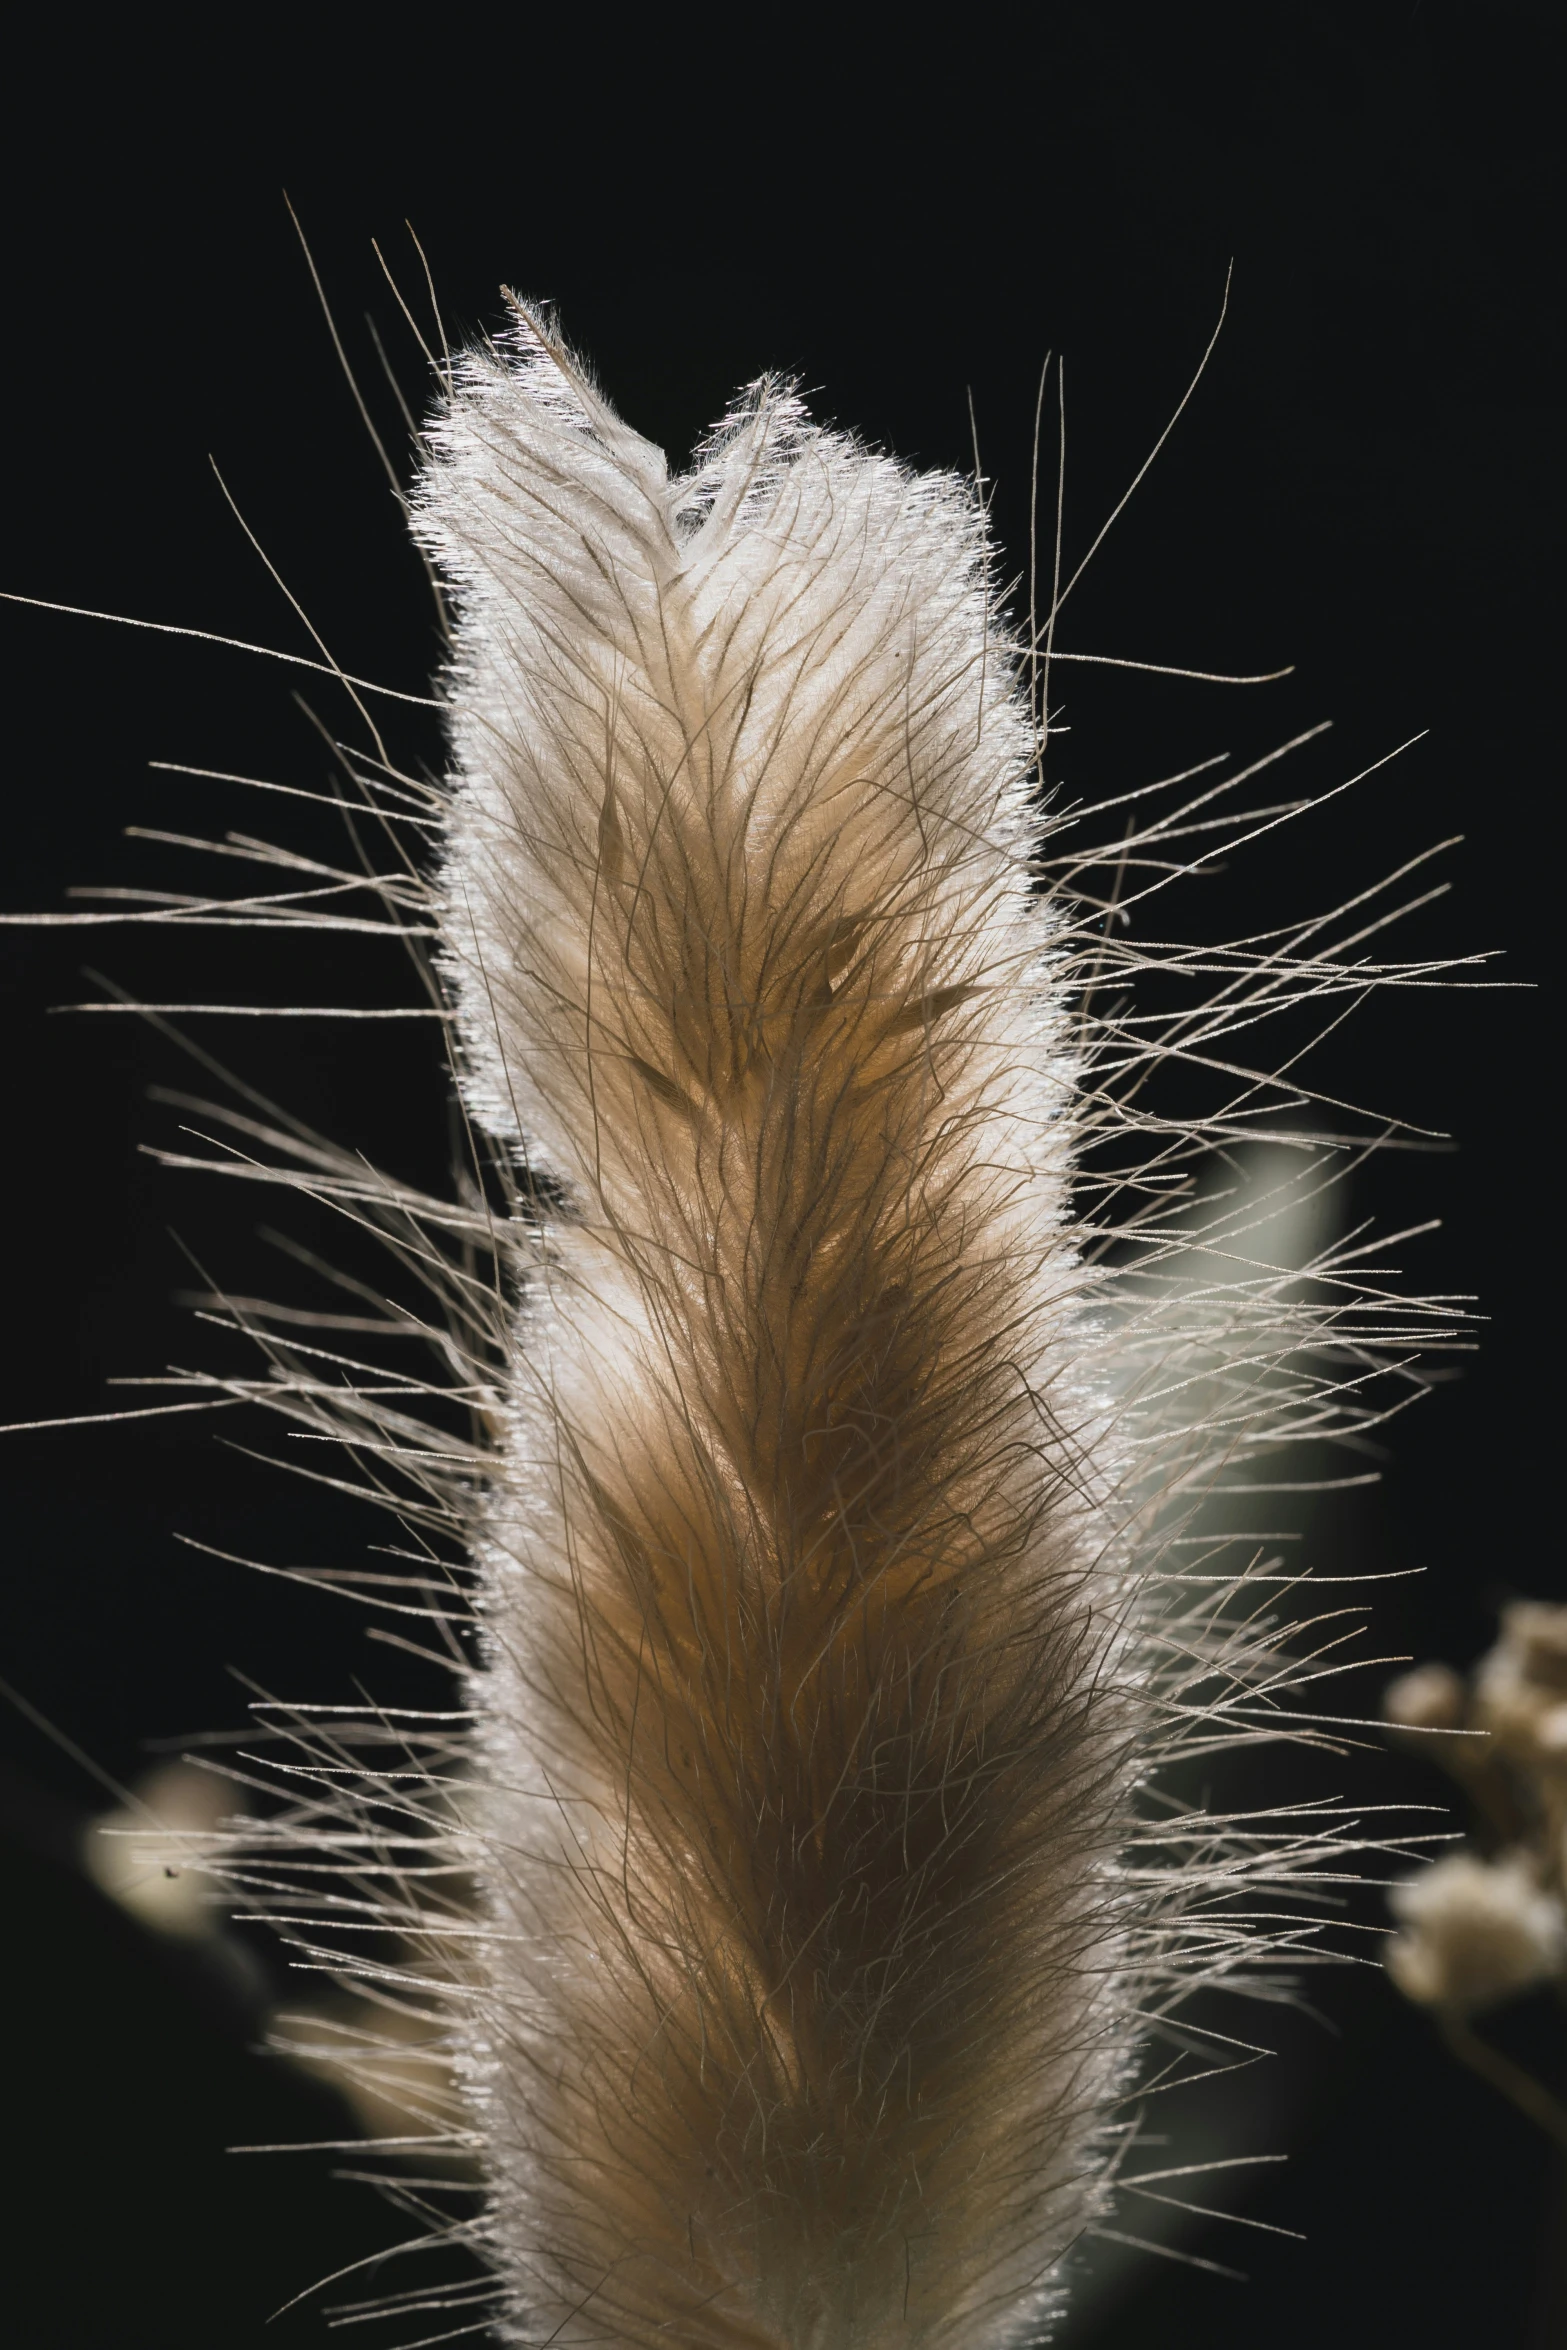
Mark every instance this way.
x=1475 y=1931
x=166 y=1855
x=150 y=1855
x=1489 y=1920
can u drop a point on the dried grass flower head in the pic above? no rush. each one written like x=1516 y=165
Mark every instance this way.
x=839 y=1384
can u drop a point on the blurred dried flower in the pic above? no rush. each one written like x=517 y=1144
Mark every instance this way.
x=149 y=1856
x=1482 y=1925
x=1520 y=1689
x=1430 y=1698
x=1475 y=1932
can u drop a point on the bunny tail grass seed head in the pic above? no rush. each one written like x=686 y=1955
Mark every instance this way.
x=840 y=1364
x=803 y=1721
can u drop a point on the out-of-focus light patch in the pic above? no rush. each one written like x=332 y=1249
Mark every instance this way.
x=149 y=1855
x=392 y=2062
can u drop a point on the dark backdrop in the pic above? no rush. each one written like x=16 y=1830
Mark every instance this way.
x=1367 y=484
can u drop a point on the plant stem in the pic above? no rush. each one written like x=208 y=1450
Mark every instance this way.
x=1520 y=2088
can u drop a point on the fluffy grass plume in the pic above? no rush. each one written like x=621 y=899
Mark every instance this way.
x=805 y=1617
x=838 y=1381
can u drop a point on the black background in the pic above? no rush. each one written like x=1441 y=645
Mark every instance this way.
x=1368 y=484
